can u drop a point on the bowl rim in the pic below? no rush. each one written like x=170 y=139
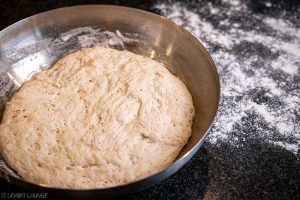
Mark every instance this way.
x=187 y=155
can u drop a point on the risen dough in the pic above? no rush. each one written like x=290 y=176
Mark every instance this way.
x=98 y=118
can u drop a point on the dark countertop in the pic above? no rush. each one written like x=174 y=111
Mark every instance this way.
x=252 y=151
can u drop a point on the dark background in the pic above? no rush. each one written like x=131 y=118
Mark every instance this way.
x=257 y=170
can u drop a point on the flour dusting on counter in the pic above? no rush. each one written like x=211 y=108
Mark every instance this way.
x=260 y=83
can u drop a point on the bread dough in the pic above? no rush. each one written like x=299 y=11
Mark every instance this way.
x=98 y=118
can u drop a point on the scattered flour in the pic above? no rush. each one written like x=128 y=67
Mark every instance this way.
x=268 y=4
x=264 y=84
x=282 y=26
x=76 y=31
x=89 y=36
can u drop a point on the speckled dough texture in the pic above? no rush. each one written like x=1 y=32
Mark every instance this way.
x=98 y=118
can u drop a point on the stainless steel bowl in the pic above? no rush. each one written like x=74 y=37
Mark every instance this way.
x=34 y=43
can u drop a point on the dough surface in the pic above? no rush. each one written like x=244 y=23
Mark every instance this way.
x=98 y=118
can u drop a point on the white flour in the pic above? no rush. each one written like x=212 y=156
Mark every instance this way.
x=249 y=78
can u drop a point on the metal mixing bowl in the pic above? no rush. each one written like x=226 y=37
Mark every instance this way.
x=35 y=43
